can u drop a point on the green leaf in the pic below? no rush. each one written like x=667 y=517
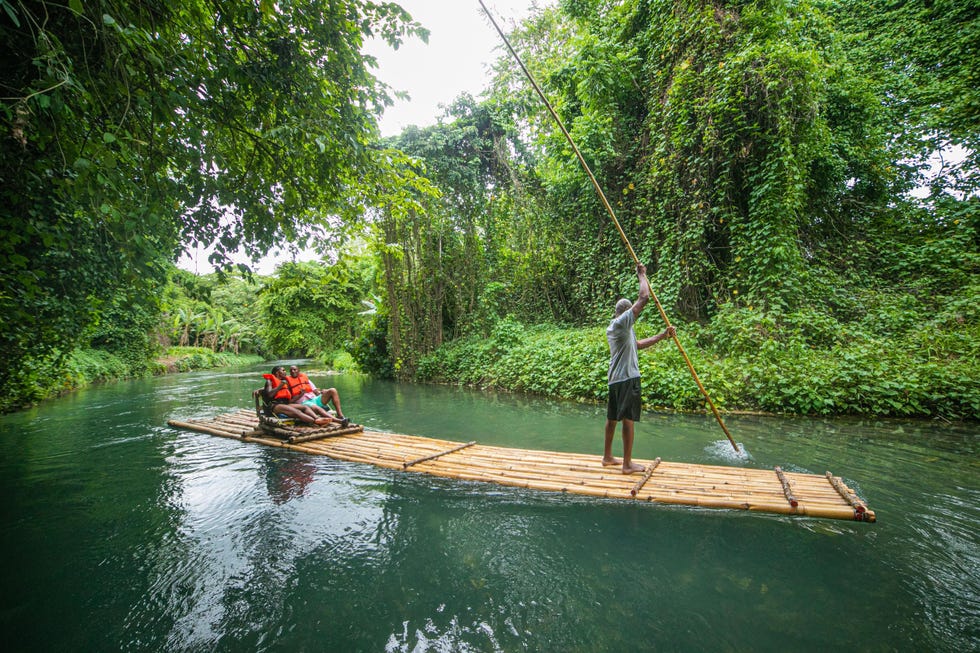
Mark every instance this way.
x=11 y=13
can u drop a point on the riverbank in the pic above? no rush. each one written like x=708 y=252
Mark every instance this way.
x=186 y=359
x=87 y=367
x=823 y=372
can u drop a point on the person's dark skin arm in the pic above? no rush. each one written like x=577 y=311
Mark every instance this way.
x=641 y=301
x=644 y=297
x=264 y=392
x=652 y=340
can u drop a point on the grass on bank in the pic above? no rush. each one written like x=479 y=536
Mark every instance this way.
x=796 y=364
x=85 y=367
x=186 y=359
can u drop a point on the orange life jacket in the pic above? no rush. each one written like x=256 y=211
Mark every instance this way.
x=298 y=385
x=283 y=394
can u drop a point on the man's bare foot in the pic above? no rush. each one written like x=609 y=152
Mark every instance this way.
x=322 y=421
x=633 y=468
x=611 y=462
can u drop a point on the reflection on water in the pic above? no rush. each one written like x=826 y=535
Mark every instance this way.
x=121 y=533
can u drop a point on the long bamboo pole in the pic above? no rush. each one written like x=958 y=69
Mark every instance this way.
x=612 y=214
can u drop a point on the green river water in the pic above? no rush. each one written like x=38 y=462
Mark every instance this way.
x=121 y=533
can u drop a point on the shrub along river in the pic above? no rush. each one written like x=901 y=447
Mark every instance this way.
x=122 y=533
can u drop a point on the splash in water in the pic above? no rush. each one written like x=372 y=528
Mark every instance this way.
x=723 y=449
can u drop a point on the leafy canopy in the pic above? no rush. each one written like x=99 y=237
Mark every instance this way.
x=132 y=128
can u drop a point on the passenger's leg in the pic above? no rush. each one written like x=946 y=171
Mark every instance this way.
x=331 y=395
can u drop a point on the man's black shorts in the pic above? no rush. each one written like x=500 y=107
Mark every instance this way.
x=624 y=400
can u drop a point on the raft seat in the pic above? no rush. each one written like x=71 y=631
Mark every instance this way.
x=293 y=430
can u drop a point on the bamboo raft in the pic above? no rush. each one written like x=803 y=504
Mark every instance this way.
x=705 y=486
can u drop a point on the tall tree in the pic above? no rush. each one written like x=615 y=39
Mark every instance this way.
x=310 y=309
x=438 y=253
x=730 y=136
x=921 y=56
x=131 y=128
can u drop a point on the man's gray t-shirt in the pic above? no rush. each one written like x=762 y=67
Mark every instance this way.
x=624 y=363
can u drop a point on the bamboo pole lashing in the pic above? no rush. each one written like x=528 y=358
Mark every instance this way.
x=202 y=428
x=846 y=493
x=472 y=461
x=448 y=468
x=235 y=418
x=672 y=497
x=646 y=477
x=325 y=433
x=462 y=468
x=732 y=486
x=271 y=442
x=786 y=487
x=612 y=215
x=279 y=432
x=728 y=484
x=505 y=476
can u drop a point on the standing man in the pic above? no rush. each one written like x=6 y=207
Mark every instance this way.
x=624 y=372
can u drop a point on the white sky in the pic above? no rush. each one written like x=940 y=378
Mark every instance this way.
x=462 y=46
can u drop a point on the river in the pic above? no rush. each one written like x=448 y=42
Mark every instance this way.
x=121 y=533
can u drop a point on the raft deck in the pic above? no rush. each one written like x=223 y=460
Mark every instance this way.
x=705 y=486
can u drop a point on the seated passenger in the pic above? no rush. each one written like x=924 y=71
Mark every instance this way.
x=276 y=398
x=303 y=391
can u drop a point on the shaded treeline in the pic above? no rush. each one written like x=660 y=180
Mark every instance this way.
x=768 y=160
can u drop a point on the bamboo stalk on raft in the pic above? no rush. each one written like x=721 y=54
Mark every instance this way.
x=612 y=214
x=704 y=486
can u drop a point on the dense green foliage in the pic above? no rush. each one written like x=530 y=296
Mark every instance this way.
x=761 y=163
x=920 y=59
x=87 y=366
x=768 y=160
x=217 y=311
x=736 y=140
x=307 y=309
x=186 y=359
x=130 y=129
x=311 y=310
x=439 y=255
x=747 y=361
x=371 y=349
